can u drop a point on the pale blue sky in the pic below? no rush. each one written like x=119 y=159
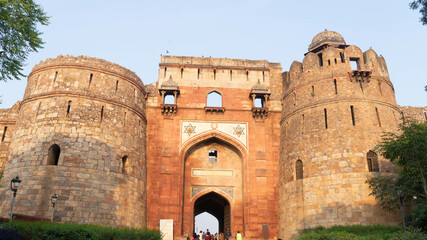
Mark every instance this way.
x=135 y=33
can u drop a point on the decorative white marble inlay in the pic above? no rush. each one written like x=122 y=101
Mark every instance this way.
x=239 y=131
x=193 y=129
x=190 y=129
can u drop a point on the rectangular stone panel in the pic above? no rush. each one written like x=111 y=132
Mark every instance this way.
x=197 y=172
x=261 y=172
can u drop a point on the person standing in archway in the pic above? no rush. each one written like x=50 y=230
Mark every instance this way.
x=239 y=236
x=228 y=234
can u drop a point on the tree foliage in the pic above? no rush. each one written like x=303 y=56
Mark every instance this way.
x=18 y=35
x=422 y=5
x=407 y=150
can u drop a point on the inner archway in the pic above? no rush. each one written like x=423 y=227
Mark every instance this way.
x=217 y=206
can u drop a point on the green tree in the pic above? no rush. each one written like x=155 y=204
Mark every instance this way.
x=422 y=5
x=18 y=35
x=407 y=150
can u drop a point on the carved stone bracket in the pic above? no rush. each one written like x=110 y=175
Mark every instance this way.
x=215 y=109
x=169 y=109
x=360 y=76
x=260 y=112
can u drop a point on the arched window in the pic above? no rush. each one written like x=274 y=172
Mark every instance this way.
x=125 y=164
x=214 y=99
x=372 y=159
x=299 y=170
x=53 y=155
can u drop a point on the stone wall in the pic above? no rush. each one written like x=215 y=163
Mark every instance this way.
x=92 y=114
x=7 y=127
x=418 y=114
x=332 y=117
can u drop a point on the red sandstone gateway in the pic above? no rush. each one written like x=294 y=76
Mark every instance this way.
x=264 y=151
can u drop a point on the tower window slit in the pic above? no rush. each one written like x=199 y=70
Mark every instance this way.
x=379 y=87
x=69 y=108
x=214 y=74
x=102 y=113
x=335 y=61
x=124 y=122
x=321 y=59
x=312 y=91
x=38 y=109
x=329 y=62
x=117 y=85
x=335 y=85
x=164 y=74
x=302 y=124
x=361 y=86
x=299 y=171
x=263 y=76
x=90 y=79
x=342 y=57
x=56 y=74
x=352 y=115
x=378 y=117
x=231 y=75
x=247 y=75
x=326 y=118
x=124 y=164
x=182 y=73
x=4 y=134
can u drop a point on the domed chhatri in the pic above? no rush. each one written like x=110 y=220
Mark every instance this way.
x=326 y=37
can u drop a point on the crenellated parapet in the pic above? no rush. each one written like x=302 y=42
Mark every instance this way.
x=87 y=63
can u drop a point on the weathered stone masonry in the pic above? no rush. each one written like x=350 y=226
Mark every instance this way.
x=94 y=112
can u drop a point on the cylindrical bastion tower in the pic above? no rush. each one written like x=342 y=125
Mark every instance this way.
x=336 y=105
x=80 y=134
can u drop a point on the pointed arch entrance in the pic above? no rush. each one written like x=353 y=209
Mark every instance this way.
x=213 y=181
x=216 y=205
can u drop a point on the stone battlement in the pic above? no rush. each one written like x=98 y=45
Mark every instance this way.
x=208 y=62
x=87 y=62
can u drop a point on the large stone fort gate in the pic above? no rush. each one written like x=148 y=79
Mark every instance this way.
x=266 y=152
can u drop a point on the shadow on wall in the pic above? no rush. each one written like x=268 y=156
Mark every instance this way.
x=87 y=176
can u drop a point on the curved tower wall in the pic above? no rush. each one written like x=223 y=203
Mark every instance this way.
x=333 y=148
x=94 y=111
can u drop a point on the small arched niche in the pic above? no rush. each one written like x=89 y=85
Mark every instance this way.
x=53 y=155
x=125 y=164
x=372 y=159
x=299 y=171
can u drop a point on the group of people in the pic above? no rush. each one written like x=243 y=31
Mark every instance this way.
x=222 y=236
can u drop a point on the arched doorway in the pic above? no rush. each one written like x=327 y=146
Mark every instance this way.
x=217 y=206
x=213 y=182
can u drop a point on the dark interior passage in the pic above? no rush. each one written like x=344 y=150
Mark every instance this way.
x=217 y=206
